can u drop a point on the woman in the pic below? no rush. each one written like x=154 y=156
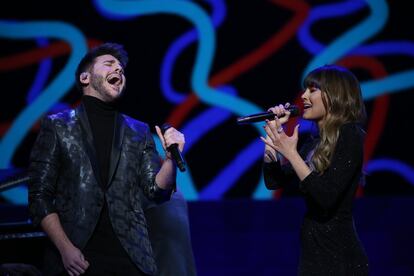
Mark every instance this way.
x=329 y=170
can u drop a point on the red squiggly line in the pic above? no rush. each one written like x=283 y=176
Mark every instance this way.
x=21 y=60
x=249 y=61
x=55 y=49
x=380 y=108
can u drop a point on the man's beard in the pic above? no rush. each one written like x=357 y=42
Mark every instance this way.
x=98 y=84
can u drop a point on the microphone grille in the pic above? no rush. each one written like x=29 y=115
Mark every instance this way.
x=294 y=110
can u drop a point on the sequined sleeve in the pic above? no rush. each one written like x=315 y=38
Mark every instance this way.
x=150 y=166
x=345 y=167
x=43 y=172
x=276 y=175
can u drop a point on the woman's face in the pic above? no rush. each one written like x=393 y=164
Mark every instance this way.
x=313 y=107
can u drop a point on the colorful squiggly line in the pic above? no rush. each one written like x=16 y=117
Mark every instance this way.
x=52 y=93
x=352 y=38
x=21 y=60
x=373 y=88
x=41 y=76
x=251 y=60
x=396 y=166
x=346 y=44
x=204 y=53
x=323 y=12
x=228 y=176
x=178 y=46
x=246 y=63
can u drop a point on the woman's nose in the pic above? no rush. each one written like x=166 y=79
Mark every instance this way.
x=303 y=95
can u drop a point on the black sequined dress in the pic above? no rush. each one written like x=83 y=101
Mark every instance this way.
x=329 y=242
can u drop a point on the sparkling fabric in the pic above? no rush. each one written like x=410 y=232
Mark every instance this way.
x=329 y=241
x=64 y=173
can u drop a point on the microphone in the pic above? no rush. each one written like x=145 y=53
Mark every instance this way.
x=258 y=117
x=173 y=149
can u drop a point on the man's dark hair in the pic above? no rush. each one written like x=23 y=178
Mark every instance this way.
x=114 y=49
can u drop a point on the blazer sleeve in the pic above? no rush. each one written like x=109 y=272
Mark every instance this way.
x=43 y=172
x=149 y=168
x=345 y=167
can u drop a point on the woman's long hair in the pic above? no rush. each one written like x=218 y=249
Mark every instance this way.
x=341 y=96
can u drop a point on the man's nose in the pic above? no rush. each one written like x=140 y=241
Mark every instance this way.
x=118 y=68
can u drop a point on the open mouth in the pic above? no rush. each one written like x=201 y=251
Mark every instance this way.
x=114 y=79
x=306 y=106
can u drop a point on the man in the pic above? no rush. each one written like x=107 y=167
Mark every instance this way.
x=88 y=166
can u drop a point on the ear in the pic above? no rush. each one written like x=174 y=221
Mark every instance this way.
x=84 y=78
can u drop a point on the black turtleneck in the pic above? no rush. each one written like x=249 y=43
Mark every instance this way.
x=101 y=116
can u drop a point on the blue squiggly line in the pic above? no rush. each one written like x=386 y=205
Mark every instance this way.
x=41 y=76
x=396 y=166
x=51 y=94
x=391 y=84
x=225 y=180
x=184 y=180
x=371 y=89
x=110 y=15
x=261 y=192
x=206 y=121
x=343 y=44
x=322 y=12
x=218 y=15
x=193 y=131
x=203 y=123
x=385 y=48
x=313 y=46
x=237 y=167
x=204 y=54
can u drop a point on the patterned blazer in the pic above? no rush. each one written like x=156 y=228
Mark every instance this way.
x=65 y=179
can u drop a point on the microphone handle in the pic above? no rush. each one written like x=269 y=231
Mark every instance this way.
x=254 y=118
x=175 y=152
x=176 y=155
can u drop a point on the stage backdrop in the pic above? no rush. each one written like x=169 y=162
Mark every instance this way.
x=200 y=64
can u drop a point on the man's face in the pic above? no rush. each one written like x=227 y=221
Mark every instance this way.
x=107 y=79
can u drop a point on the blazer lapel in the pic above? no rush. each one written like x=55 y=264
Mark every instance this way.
x=116 y=145
x=87 y=138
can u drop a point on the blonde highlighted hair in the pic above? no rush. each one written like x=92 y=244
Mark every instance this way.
x=341 y=96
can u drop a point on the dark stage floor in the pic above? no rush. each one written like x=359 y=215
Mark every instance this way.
x=245 y=237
